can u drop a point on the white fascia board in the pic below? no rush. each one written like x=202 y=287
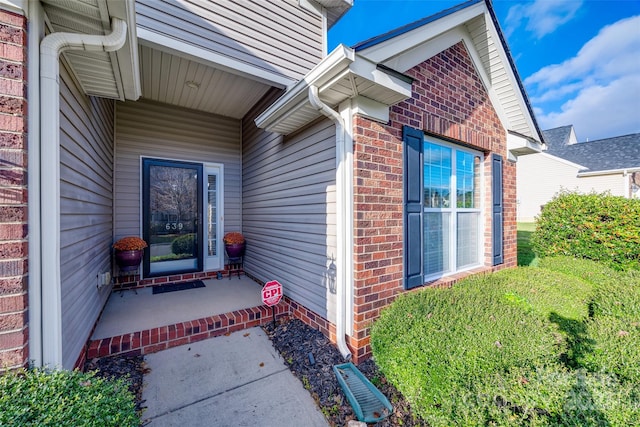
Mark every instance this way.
x=521 y=146
x=382 y=52
x=609 y=172
x=512 y=77
x=126 y=59
x=211 y=59
x=331 y=66
x=16 y=6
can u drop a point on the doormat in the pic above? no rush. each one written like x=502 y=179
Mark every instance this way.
x=172 y=287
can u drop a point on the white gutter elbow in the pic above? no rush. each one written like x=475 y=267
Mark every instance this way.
x=50 y=278
x=341 y=220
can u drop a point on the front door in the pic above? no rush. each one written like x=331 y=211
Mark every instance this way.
x=172 y=203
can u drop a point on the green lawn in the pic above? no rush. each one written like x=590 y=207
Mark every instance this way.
x=525 y=251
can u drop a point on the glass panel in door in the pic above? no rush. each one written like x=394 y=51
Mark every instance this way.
x=172 y=200
x=213 y=218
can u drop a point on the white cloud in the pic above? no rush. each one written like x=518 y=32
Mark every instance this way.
x=598 y=89
x=600 y=111
x=613 y=52
x=542 y=16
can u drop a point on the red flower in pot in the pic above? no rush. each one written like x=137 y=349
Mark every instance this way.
x=129 y=251
x=234 y=244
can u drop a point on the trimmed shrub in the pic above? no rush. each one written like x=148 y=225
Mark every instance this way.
x=599 y=227
x=517 y=347
x=39 y=397
x=184 y=244
x=615 y=329
x=590 y=271
x=442 y=347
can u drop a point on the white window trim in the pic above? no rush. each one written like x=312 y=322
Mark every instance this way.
x=452 y=210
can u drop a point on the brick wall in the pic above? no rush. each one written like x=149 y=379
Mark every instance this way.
x=448 y=100
x=13 y=197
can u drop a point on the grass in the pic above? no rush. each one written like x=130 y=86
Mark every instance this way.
x=525 y=250
x=529 y=346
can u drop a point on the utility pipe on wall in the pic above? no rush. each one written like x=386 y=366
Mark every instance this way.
x=343 y=232
x=50 y=49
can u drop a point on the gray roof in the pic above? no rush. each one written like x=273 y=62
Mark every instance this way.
x=620 y=152
x=557 y=137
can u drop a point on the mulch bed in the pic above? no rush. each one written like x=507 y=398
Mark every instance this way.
x=295 y=341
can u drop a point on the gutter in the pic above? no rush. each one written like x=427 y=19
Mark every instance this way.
x=343 y=218
x=623 y=171
x=50 y=49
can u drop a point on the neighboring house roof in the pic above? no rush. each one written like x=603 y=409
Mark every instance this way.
x=558 y=137
x=621 y=152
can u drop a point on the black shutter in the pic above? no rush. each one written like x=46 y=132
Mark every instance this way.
x=413 y=193
x=497 y=209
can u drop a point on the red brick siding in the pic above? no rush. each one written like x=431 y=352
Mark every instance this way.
x=14 y=331
x=449 y=100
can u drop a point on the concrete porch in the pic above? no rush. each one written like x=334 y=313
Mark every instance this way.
x=135 y=321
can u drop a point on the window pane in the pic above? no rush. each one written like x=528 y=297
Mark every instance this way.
x=436 y=242
x=212 y=225
x=467 y=239
x=467 y=166
x=437 y=176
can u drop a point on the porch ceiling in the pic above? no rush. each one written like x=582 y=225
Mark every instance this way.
x=186 y=83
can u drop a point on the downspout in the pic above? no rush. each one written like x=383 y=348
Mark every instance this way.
x=50 y=49
x=35 y=34
x=343 y=232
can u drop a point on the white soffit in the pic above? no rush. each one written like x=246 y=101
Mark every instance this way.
x=104 y=74
x=340 y=76
x=176 y=80
x=334 y=9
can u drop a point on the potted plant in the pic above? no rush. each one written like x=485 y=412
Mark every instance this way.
x=234 y=244
x=129 y=251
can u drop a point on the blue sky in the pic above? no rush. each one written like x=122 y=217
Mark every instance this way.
x=579 y=59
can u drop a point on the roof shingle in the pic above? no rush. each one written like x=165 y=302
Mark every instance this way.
x=620 y=152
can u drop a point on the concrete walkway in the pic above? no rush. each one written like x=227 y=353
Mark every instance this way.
x=235 y=380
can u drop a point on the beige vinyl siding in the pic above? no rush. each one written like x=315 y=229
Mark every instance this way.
x=288 y=213
x=86 y=207
x=277 y=36
x=541 y=176
x=150 y=129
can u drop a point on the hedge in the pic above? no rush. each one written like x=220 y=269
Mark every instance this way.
x=598 y=227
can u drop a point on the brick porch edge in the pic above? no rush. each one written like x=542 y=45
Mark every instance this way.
x=164 y=337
